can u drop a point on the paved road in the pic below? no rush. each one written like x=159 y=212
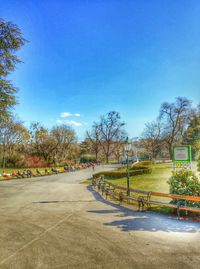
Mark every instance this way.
x=55 y=222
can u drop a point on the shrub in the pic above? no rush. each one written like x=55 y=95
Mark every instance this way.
x=138 y=167
x=34 y=161
x=198 y=165
x=87 y=158
x=144 y=163
x=134 y=167
x=15 y=161
x=120 y=174
x=185 y=182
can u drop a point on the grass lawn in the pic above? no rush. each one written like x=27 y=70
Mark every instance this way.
x=156 y=181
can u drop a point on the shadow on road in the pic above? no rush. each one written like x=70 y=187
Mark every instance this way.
x=143 y=221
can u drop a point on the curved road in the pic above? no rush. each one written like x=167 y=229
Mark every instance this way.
x=55 y=222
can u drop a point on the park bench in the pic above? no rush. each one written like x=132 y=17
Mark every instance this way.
x=181 y=204
x=38 y=172
x=139 y=196
x=6 y=176
x=120 y=193
x=54 y=170
x=66 y=168
x=107 y=188
x=143 y=198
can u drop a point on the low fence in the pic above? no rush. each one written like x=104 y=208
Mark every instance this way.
x=144 y=198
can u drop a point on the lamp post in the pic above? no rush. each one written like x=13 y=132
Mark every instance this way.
x=134 y=145
x=127 y=148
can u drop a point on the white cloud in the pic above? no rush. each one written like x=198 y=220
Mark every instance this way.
x=70 y=122
x=73 y=122
x=67 y=114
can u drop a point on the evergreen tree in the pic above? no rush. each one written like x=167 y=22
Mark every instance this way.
x=11 y=40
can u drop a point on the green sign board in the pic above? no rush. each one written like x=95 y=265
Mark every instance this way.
x=182 y=154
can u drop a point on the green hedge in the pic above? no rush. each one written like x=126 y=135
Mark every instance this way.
x=118 y=174
x=138 y=167
x=145 y=163
x=123 y=168
x=198 y=165
x=87 y=158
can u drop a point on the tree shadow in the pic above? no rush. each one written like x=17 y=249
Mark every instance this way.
x=143 y=221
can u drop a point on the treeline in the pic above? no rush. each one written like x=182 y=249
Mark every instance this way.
x=37 y=146
x=177 y=124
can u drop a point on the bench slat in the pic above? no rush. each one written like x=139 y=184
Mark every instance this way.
x=176 y=196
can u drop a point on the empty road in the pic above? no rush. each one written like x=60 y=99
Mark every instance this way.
x=56 y=222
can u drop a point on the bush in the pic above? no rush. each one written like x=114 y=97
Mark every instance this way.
x=138 y=167
x=144 y=163
x=15 y=161
x=87 y=158
x=34 y=161
x=134 y=167
x=120 y=174
x=185 y=182
x=198 y=165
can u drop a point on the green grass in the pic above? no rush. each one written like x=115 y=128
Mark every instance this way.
x=156 y=181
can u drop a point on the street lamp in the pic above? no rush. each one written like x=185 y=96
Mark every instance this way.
x=127 y=148
x=134 y=144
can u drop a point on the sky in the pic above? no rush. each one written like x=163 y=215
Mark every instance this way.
x=85 y=58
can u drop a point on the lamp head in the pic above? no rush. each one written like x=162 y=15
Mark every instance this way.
x=127 y=145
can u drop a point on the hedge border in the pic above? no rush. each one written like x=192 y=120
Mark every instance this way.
x=117 y=174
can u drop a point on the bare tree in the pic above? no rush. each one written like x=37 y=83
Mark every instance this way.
x=41 y=143
x=64 y=137
x=53 y=146
x=118 y=148
x=94 y=138
x=175 y=118
x=13 y=136
x=151 y=138
x=110 y=132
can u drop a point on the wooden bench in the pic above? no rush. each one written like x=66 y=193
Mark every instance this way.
x=143 y=198
x=119 y=193
x=178 y=206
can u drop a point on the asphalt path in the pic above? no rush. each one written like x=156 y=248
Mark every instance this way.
x=56 y=222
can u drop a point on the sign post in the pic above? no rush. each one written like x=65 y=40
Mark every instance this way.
x=182 y=157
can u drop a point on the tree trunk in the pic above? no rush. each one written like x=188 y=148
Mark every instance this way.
x=107 y=158
x=171 y=152
x=96 y=155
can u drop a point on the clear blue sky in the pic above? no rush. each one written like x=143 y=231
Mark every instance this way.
x=91 y=57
